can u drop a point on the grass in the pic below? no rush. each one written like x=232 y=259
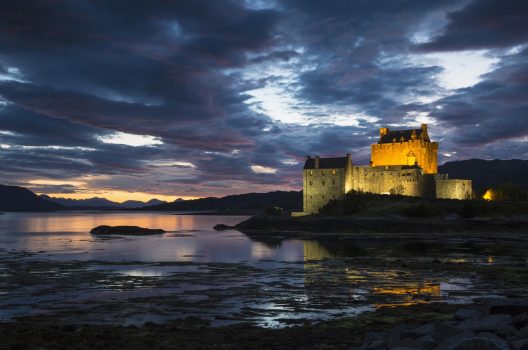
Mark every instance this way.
x=369 y=204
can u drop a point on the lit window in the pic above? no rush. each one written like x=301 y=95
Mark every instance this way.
x=333 y=172
x=311 y=172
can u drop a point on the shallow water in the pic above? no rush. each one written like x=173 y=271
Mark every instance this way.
x=50 y=263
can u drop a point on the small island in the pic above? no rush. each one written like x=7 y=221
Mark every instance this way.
x=125 y=230
x=367 y=213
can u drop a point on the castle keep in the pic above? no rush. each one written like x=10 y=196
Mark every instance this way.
x=402 y=162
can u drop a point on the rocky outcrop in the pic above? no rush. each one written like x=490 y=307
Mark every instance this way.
x=497 y=324
x=125 y=230
x=270 y=225
x=222 y=227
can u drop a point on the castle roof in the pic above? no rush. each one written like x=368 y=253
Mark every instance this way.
x=326 y=163
x=404 y=136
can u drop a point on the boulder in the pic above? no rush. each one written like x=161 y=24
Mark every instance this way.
x=375 y=340
x=492 y=323
x=420 y=331
x=520 y=344
x=510 y=306
x=520 y=321
x=466 y=314
x=125 y=230
x=444 y=331
x=472 y=341
x=427 y=341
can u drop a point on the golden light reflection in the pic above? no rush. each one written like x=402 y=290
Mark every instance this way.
x=84 y=222
x=70 y=231
x=408 y=293
x=315 y=251
x=432 y=289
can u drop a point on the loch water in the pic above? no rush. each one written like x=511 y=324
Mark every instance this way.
x=51 y=264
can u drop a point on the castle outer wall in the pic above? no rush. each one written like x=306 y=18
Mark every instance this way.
x=403 y=180
x=320 y=185
x=454 y=189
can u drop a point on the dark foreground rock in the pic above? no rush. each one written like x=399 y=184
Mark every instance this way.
x=472 y=329
x=125 y=230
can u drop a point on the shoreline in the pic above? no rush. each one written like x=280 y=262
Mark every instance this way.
x=331 y=226
x=193 y=332
x=499 y=323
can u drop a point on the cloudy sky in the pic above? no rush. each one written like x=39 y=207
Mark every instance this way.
x=139 y=99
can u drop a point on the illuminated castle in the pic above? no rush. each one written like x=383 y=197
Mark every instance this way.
x=402 y=162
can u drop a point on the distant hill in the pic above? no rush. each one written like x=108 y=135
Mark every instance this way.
x=14 y=198
x=488 y=173
x=241 y=202
x=100 y=203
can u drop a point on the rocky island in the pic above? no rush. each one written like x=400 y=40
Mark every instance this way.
x=125 y=230
x=367 y=213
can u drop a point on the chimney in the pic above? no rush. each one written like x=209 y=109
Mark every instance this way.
x=384 y=131
x=349 y=158
x=316 y=162
x=308 y=157
x=424 y=128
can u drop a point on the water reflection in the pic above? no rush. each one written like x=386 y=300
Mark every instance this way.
x=193 y=270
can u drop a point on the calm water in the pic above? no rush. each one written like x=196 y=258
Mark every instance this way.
x=50 y=263
x=189 y=238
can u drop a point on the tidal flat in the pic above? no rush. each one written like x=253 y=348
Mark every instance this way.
x=197 y=287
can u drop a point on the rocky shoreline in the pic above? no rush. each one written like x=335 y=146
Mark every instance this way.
x=280 y=225
x=497 y=324
x=493 y=324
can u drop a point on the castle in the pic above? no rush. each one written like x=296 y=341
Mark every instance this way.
x=402 y=162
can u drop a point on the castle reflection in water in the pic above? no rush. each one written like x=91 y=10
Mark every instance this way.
x=382 y=285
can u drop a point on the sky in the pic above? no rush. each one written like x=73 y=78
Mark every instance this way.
x=139 y=99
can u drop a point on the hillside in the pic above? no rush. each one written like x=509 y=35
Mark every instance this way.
x=242 y=202
x=488 y=173
x=100 y=203
x=13 y=198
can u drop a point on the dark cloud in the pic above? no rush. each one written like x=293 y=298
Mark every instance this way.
x=186 y=72
x=483 y=24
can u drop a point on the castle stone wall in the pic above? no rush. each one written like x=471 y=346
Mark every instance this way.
x=407 y=153
x=392 y=180
x=322 y=185
x=454 y=189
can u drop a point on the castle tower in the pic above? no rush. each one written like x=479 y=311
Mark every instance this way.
x=406 y=147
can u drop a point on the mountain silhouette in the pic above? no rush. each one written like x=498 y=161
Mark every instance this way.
x=100 y=203
x=241 y=202
x=14 y=198
x=488 y=173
